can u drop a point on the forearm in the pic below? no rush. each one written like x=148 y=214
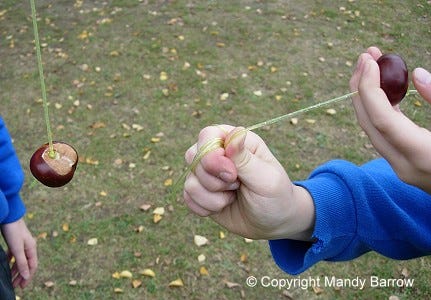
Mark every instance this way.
x=359 y=209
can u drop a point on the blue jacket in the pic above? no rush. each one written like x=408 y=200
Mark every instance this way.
x=11 y=179
x=359 y=209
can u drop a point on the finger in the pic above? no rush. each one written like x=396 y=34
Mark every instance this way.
x=422 y=82
x=203 y=202
x=374 y=52
x=191 y=153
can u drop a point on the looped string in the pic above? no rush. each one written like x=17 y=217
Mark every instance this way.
x=216 y=143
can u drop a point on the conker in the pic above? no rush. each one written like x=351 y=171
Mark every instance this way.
x=394 y=78
x=54 y=168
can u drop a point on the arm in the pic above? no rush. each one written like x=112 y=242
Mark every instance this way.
x=403 y=143
x=19 y=240
x=359 y=209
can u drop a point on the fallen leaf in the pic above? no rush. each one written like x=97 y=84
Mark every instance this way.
x=201 y=258
x=159 y=211
x=176 y=283
x=248 y=241
x=97 y=125
x=200 y=240
x=163 y=76
x=222 y=235
x=145 y=207
x=126 y=274
x=65 y=227
x=116 y=275
x=118 y=291
x=243 y=258
x=157 y=218
x=231 y=285
x=331 y=111
x=92 y=242
x=155 y=140
x=148 y=272
x=73 y=282
x=258 y=93
x=49 y=284
x=168 y=182
x=136 y=283
x=294 y=121
x=203 y=271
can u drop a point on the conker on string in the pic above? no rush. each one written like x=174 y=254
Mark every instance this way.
x=54 y=168
x=394 y=78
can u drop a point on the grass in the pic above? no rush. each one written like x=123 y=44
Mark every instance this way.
x=103 y=62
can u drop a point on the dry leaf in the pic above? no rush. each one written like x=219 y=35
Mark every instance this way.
x=317 y=290
x=65 y=227
x=203 y=271
x=294 y=121
x=201 y=258
x=147 y=155
x=145 y=207
x=118 y=290
x=258 y=93
x=310 y=121
x=92 y=242
x=157 y=218
x=168 y=182
x=73 y=282
x=148 y=272
x=176 y=283
x=231 y=285
x=163 y=76
x=331 y=111
x=200 y=240
x=248 y=241
x=49 y=284
x=126 y=274
x=159 y=211
x=97 y=125
x=222 y=235
x=116 y=275
x=155 y=140
x=136 y=283
x=243 y=258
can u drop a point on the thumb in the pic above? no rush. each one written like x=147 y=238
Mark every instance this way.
x=422 y=82
x=251 y=157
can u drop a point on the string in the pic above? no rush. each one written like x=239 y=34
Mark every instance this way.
x=42 y=79
x=216 y=143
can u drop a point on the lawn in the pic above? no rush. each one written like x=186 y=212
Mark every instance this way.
x=131 y=83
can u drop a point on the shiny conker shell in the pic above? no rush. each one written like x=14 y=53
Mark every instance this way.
x=394 y=78
x=54 y=171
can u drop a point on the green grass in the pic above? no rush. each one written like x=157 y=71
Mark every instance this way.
x=230 y=47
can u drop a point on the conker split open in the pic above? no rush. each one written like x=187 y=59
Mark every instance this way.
x=54 y=168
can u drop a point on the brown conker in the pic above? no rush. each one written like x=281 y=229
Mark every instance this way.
x=54 y=169
x=394 y=78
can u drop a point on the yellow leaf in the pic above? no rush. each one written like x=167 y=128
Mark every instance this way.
x=243 y=258
x=168 y=182
x=222 y=235
x=118 y=290
x=114 y=53
x=116 y=275
x=147 y=155
x=65 y=227
x=163 y=76
x=203 y=271
x=126 y=274
x=176 y=283
x=83 y=35
x=159 y=211
x=157 y=218
x=155 y=139
x=201 y=258
x=418 y=103
x=200 y=240
x=148 y=272
x=103 y=194
x=92 y=242
x=136 y=283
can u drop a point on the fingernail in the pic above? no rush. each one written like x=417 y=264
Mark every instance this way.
x=226 y=176
x=25 y=275
x=422 y=76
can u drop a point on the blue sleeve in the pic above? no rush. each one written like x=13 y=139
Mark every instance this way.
x=11 y=179
x=359 y=209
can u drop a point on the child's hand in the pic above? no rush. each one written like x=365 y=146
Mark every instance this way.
x=403 y=143
x=245 y=189
x=22 y=246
